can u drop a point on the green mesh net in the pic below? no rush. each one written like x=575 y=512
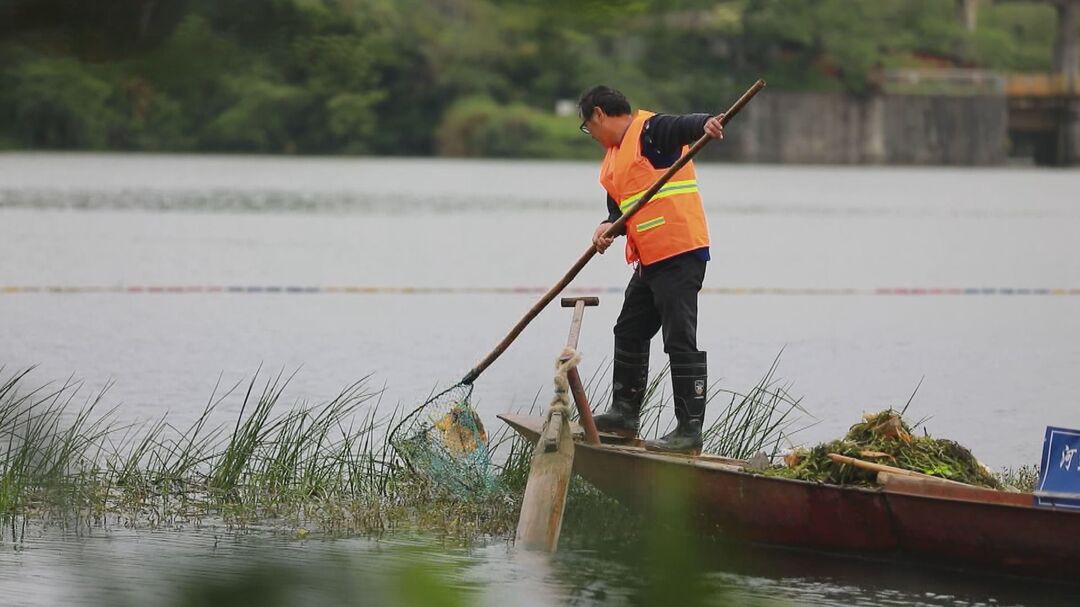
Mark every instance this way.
x=444 y=441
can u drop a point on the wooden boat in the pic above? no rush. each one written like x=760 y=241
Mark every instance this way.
x=904 y=518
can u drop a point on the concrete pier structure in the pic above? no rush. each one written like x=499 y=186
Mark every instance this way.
x=1044 y=109
x=833 y=128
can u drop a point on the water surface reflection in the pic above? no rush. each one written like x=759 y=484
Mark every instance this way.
x=217 y=567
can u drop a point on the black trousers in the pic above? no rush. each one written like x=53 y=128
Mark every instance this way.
x=663 y=295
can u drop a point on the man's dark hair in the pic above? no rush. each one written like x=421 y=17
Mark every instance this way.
x=606 y=98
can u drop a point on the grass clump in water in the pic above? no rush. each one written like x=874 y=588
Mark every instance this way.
x=328 y=467
x=756 y=421
x=1023 y=479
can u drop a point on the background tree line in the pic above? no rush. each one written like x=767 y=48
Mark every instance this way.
x=454 y=77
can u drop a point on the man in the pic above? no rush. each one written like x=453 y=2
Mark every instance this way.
x=668 y=244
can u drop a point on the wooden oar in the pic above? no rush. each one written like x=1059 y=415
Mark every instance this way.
x=615 y=230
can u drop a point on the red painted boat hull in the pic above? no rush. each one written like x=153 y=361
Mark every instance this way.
x=955 y=526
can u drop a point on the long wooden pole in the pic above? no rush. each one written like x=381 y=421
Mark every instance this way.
x=615 y=230
x=876 y=467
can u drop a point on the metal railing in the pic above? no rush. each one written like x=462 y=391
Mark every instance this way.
x=948 y=81
x=1042 y=85
x=956 y=81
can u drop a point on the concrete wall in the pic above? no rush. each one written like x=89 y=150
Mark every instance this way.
x=833 y=128
x=945 y=130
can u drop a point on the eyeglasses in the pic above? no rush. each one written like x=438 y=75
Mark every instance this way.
x=585 y=129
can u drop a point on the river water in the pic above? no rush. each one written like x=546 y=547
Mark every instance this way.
x=162 y=273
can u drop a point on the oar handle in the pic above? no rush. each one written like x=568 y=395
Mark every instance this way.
x=614 y=230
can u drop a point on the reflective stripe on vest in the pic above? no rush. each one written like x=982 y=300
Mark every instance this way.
x=650 y=224
x=670 y=189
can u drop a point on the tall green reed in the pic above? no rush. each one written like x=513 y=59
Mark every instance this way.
x=49 y=456
x=328 y=465
x=756 y=421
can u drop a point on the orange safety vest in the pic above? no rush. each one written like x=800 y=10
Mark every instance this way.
x=673 y=221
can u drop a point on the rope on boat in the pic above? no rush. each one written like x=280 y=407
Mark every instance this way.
x=567 y=360
x=558 y=411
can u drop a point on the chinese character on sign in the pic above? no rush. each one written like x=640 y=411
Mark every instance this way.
x=1066 y=458
x=1059 y=485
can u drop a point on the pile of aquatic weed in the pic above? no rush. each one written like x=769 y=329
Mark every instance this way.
x=326 y=468
x=885 y=438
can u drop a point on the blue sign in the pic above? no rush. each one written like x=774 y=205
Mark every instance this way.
x=1059 y=472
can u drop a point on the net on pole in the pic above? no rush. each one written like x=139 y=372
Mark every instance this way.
x=444 y=441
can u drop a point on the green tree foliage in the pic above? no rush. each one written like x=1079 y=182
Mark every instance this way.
x=1015 y=37
x=478 y=126
x=836 y=44
x=56 y=103
x=464 y=77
